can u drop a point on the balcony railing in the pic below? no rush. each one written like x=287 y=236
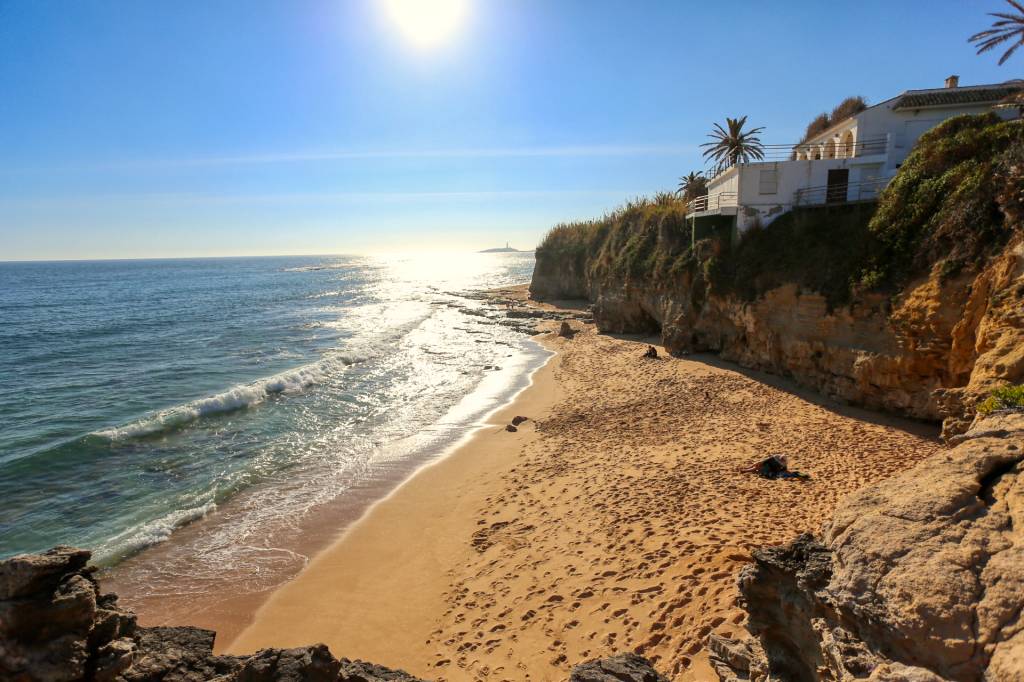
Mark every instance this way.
x=712 y=202
x=813 y=152
x=837 y=150
x=840 y=193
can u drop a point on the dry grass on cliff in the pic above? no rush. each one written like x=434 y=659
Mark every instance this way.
x=646 y=235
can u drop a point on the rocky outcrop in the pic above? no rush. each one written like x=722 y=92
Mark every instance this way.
x=56 y=626
x=564 y=277
x=920 y=578
x=929 y=353
x=621 y=668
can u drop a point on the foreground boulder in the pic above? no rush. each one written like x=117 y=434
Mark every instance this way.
x=918 y=579
x=55 y=626
x=621 y=668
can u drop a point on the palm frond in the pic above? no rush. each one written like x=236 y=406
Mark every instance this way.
x=730 y=144
x=1008 y=27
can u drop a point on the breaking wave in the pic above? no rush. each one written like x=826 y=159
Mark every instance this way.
x=148 y=534
x=237 y=398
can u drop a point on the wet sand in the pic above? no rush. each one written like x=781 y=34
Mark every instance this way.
x=615 y=519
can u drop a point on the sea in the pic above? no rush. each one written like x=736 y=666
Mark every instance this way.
x=143 y=397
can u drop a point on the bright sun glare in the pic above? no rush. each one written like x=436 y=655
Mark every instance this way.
x=427 y=22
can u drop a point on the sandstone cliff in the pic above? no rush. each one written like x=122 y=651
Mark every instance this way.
x=920 y=579
x=916 y=308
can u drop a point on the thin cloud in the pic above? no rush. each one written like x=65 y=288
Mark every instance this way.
x=485 y=153
x=584 y=151
x=308 y=197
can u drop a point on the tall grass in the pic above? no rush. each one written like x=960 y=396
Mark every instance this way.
x=635 y=239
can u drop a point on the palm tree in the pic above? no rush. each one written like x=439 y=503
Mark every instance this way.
x=1009 y=27
x=732 y=146
x=692 y=185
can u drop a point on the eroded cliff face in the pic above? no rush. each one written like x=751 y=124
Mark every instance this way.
x=929 y=353
x=920 y=579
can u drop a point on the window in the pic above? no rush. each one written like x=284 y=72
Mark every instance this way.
x=768 y=182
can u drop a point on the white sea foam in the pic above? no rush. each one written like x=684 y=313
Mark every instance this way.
x=237 y=398
x=148 y=534
x=321 y=266
x=247 y=395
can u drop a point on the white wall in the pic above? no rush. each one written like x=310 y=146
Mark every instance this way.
x=905 y=126
x=724 y=182
x=901 y=129
x=790 y=177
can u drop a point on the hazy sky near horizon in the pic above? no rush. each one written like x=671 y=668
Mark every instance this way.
x=244 y=127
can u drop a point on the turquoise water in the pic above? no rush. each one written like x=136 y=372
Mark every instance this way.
x=142 y=395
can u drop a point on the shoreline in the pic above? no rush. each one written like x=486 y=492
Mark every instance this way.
x=428 y=482
x=614 y=520
x=229 y=603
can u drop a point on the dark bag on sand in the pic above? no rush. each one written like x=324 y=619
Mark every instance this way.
x=774 y=467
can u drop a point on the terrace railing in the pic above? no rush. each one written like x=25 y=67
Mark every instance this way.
x=814 y=152
x=866 y=147
x=840 y=193
x=712 y=202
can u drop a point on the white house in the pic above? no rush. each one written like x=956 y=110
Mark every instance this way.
x=851 y=161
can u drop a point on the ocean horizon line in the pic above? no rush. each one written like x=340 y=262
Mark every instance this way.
x=350 y=254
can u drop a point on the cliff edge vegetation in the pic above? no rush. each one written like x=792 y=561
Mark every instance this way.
x=912 y=304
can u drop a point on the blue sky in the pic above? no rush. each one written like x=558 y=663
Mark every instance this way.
x=219 y=127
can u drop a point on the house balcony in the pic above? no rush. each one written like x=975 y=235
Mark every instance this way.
x=838 y=149
x=840 y=193
x=719 y=203
x=866 y=150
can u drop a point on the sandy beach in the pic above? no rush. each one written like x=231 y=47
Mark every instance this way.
x=615 y=519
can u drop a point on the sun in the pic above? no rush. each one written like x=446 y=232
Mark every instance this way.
x=427 y=23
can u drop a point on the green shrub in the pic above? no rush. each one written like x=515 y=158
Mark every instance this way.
x=1003 y=398
x=820 y=249
x=944 y=202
